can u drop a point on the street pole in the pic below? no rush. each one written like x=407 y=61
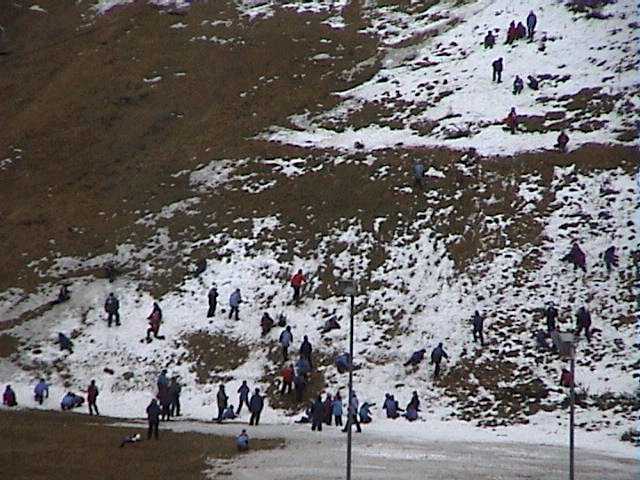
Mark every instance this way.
x=349 y=413
x=572 y=402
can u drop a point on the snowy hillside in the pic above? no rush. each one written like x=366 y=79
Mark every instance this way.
x=330 y=191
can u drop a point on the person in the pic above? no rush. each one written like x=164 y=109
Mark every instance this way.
x=576 y=257
x=365 y=412
x=130 y=439
x=411 y=414
x=416 y=358
x=70 y=401
x=213 y=301
x=92 y=397
x=437 y=355
x=222 y=400
x=489 y=40
x=541 y=340
x=352 y=416
x=533 y=82
x=336 y=409
x=532 y=20
x=478 y=326
x=414 y=402
x=243 y=396
x=163 y=381
x=235 y=299
x=63 y=295
x=566 y=379
x=300 y=385
x=326 y=409
x=9 y=397
x=242 y=441
x=563 y=140
x=610 y=258
x=583 y=322
x=512 y=120
x=296 y=283
x=255 y=407
x=497 y=70
x=518 y=85
x=317 y=414
x=287 y=379
x=330 y=324
x=110 y=271
x=305 y=351
x=551 y=314
x=153 y=417
x=390 y=405
x=266 y=323
x=112 y=307
x=155 y=318
x=175 y=389
x=511 y=32
x=418 y=174
x=343 y=362
x=229 y=413
x=64 y=342
x=521 y=31
x=164 y=397
x=41 y=391
x=303 y=367
x=286 y=337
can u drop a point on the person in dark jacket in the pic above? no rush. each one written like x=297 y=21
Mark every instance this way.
x=175 y=389
x=414 y=402
x=222 y=399
x=411 y=414
x=541 y=340
x=566 y=379
x=518 y=85
x=212 y=296
x=305 y=350
x=576 y=257
x=63 y=295
x=330 y=324
x=532 y=20
x=551 y=314
x=610 y=258
x=533 y=83
x=336 y=409
x=41 y=391
x=64 y=342
x=286 y=338
x=563 y=140
x=92 y=397
x=365 y=412
x=418 y=174
x=437 y=355
x=521 y=31
x=511 y=33
x=303 y=367
x=317 y=414
x=229 y=413
x=255 y=407
x=235 y=299
x=163 y=382
x=300 y=385
x=489 y=40
x=155 y=319
x=352 y=415
x=343 y=362
x=9 y=397
x=478 y=326
x=266 y=323
x=328 y=402
x=112 y=307
x=583 y=322
x=243 y=396
x=391 y=406
x=416 y=358
x=497 y=66
x=153 y=417
x=164 y=398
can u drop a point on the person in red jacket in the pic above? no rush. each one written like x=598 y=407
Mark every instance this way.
x=296 y=282
x=565 y=378
x=9 y=397
x=512 y=120
x=155 y=318
x=287 y=379
x=92 y=397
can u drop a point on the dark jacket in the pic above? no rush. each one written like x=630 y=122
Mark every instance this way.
x=437 y=354
x=222 y=399
x=256 y=403
x=497 y=65
x=153 y=412
x=244 y=392
x=305 y=348
x=478 y=321
x=317 y=410
x=532 y=20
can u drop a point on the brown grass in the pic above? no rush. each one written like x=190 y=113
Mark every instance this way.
x=212 y=354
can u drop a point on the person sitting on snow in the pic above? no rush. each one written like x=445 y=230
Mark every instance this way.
x=9 y=397
x=242 y=441
x=229 y=413
x=330 y=324
x=416 y=358
x=411 y=414
x=365 y=412
x=70 y=401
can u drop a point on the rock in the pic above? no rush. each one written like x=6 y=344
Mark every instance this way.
x=108 y=370
x=127 y=375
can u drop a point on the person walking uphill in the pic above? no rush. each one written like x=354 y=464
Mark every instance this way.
x=286 y=337
x=497 y=70
x=222 y=400
x=213 y=301
x=306 y=350
x=296 y=283
x=175 y=389
x=112 y=307
x=532 y=20
x=155 y=318
x=234 y=302
x=41 y=391
x=153 y=417
x=243 y=398
x=92 y=397
x=478 y=327
x=551 y=314
x=436 y=357
x=583 y=322
x=256 y=404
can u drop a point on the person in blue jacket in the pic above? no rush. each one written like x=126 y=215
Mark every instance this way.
x=41 y=391
x=234 y=302
x=336 y=409
x=256 y=405
x=365 y=412
x=416 y=358
x=242 y=441
x=243 y=393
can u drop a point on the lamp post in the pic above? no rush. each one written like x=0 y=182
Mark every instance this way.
x=567 y=348
x=348 y=288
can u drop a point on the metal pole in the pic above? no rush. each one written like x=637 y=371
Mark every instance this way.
x=349 y=413
x=572 y=402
